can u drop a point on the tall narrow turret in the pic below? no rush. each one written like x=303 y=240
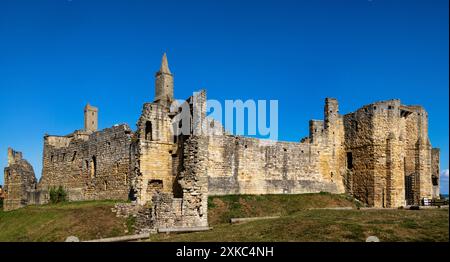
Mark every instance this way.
x=164 y=84
x=90 y=118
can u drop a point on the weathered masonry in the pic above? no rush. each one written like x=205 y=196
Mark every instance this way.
x=89 y=165
x=242 y=165
x=389 y=158
x=20 y=182
x=381 y=154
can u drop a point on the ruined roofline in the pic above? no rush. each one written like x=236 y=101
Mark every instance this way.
x=89 y=107
x=16 y=159
x=14 y=156
x=155 y=103
x=330 y=98
x=82 y=131
x=413 y=108
x=261 y=140
x=377 y=103
x=64 y=136
x=189 y=100
x=123 y=126
x=70 y=137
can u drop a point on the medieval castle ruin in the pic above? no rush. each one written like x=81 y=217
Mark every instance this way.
x=380 y=154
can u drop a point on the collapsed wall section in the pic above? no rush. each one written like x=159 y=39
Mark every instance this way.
x=186 y=205
x=20 y=182
x=190 y=209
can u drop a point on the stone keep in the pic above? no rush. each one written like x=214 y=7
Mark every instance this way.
x=389 y=155
x=380 y=154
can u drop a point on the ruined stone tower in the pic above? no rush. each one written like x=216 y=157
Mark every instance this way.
x=164 y=84
x=389 y=155
x=20 y=182
x=90 y=118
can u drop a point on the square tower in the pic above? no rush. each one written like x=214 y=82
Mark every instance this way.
x=90 y=118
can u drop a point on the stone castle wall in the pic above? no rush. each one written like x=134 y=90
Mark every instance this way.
x=89 y=166
x=242 y=165
x=380 y=154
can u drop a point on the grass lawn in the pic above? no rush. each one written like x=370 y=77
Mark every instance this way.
x=297 y=223
x=94 y=219
x=86 y=220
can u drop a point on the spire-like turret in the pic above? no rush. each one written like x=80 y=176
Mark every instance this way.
x=164 y=83
x=164 y=65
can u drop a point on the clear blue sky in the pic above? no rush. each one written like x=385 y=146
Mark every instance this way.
x=57 y=55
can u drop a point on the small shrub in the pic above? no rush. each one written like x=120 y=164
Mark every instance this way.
x=57 y=195
x=409 y=223
x=130 y=222
x=211 y=203
x=1 y=203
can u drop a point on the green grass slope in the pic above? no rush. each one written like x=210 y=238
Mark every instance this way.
x=86 y=220
x=222 y=208
x=298 y=223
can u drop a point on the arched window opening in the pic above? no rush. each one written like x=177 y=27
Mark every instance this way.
x=87 y=166
x=349 y=160
x=154 y=186
x=132 y=194
x=74 y=156
x=177 y=190
x=148 y=131
x=435 y=180
x=93 y=167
